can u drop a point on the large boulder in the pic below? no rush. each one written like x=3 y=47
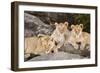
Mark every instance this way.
x=70 y=49
x=57 y=56
x=34 y=26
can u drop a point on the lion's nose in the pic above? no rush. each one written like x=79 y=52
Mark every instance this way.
x=78 y=43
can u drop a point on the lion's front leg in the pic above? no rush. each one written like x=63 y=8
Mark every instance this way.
x=58 y=46
x=82 y=47
x=56 y=50
x=26 y=55
x=85 y=47
x=75 y=45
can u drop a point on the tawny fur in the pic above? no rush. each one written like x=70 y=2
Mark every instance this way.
x=59 y=34
x=77 y=35
x=44 y=44
x=39 y=45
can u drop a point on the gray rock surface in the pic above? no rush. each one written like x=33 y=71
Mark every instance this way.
x=34 y=26
x=70 y=49
x=57 y=56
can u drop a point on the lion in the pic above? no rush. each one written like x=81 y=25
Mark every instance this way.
x=39 y=45
x=78 y=38
x=59 y=35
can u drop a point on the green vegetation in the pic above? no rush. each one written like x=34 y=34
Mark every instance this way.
x=84 y=19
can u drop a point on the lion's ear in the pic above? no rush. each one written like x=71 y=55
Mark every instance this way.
x=56 y=24
x=66 y=23
x=81 y=25
x=72 y=26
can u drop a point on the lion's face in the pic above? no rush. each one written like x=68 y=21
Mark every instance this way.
x=61 y=27
x=77 y=29
x=77 y=35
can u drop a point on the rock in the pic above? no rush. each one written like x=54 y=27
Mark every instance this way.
x=28 y=33
x=34 y=26
x=57 y=56
x=48 y=17
x=70 y=49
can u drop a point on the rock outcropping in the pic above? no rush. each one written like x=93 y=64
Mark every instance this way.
x=34 y=26
x=57 y=56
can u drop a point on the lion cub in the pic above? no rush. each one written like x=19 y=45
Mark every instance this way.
x=38 y=45
x=78 y=38
x=59 y=35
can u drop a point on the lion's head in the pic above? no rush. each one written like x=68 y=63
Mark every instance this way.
x=61 y=27
x=77 y=29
